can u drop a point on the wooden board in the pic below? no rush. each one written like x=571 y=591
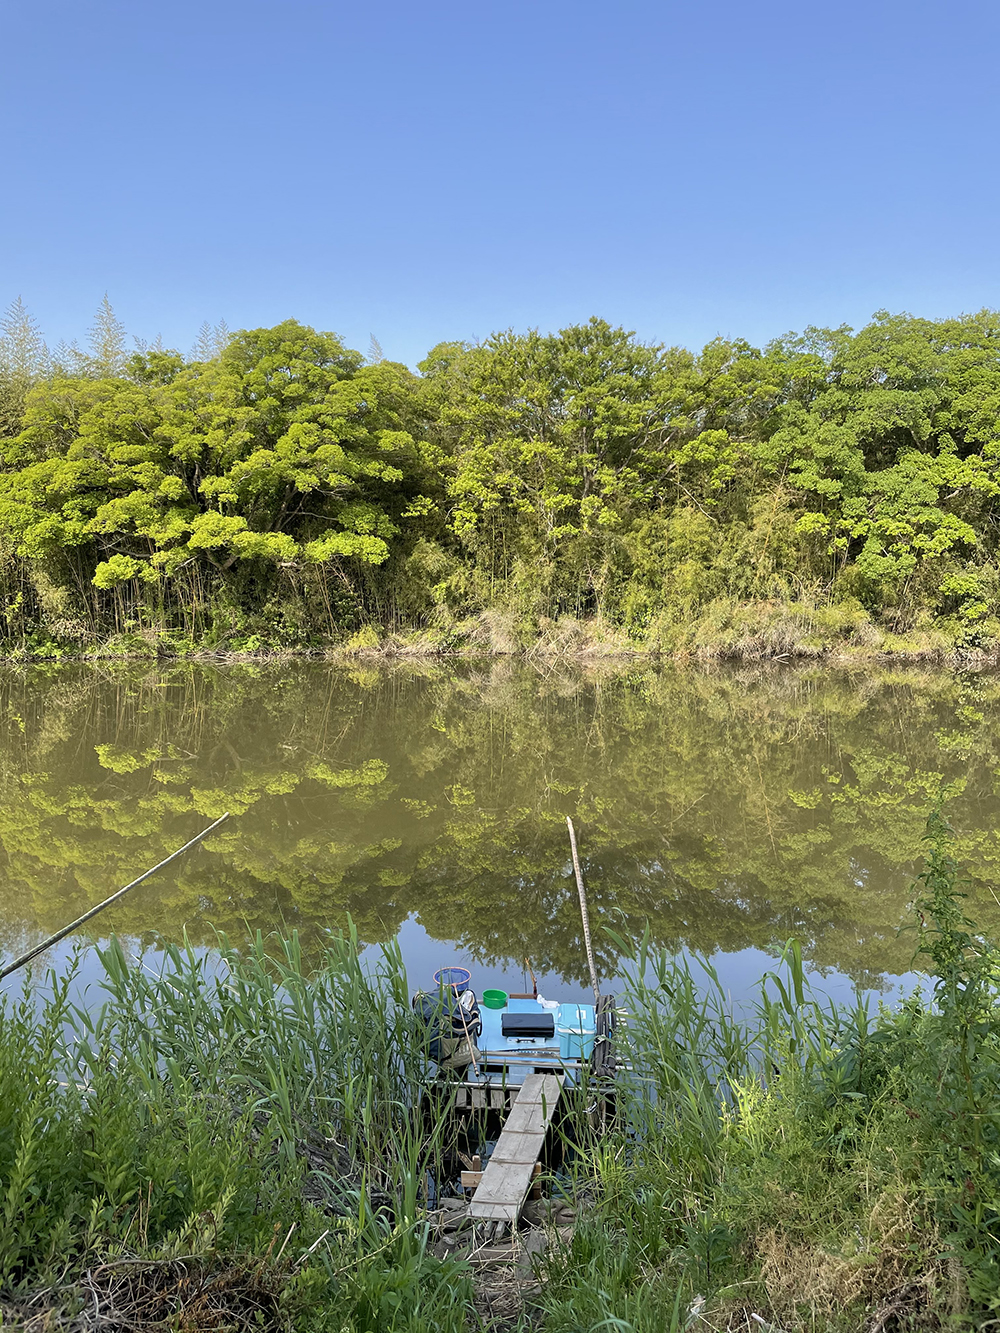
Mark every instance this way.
x=518 y=1147
x=496 y=1212
x=541 y=1088
x=483 y=1097
x=507 y=1179
x=522 y=1118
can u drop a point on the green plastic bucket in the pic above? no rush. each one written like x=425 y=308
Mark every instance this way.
x=494 y=999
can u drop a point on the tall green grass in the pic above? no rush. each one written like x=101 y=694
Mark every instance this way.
x=809 y=1165
x=227 y=1104
x=804 y=1164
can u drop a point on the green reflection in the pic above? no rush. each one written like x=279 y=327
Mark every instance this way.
x=726 y=808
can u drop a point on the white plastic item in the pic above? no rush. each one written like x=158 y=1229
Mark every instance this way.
x=551 y=1005
x=576 y=1028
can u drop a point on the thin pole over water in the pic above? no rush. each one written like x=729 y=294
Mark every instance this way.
x=87 y=916
x=584 y=914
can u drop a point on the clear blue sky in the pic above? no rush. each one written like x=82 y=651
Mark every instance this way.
x=439 y=170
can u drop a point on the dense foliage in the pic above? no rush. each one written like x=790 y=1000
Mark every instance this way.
x=278 y=488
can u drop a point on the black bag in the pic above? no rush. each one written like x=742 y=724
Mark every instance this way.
x=446 y=1021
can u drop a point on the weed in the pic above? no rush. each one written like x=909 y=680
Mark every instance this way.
x=809 y=1165
x=225 y=1108
x=812 y=1165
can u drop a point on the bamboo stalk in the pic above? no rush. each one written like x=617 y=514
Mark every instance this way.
x=583 y=910
x=87 y=916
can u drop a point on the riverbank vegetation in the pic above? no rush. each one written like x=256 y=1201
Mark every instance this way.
x=227 y=1142
x=816 y=1167
x=223 y=1144
x=575 y=492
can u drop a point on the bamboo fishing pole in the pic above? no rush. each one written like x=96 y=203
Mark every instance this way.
x=87 y=916
x=468 y=1038
x=584 y=915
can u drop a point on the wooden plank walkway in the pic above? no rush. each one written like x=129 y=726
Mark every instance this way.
x=504 y=1187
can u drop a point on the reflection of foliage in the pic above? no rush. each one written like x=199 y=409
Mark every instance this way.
x=727 y=809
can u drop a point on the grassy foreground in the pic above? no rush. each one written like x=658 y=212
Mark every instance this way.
x=232 y=1144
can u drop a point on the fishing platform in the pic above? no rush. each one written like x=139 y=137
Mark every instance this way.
x=522 y=1055
x=530 y=1050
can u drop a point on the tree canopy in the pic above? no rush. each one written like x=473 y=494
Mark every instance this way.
x=277 y=487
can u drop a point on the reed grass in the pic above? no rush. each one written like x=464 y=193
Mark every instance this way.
x=801 y=1165
x=227 y=1104
x=806 y=1165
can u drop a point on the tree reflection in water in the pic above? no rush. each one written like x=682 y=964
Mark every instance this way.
x=726 y=808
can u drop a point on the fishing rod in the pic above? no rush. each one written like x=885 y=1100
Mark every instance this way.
x=87 y=916
x=584 y=915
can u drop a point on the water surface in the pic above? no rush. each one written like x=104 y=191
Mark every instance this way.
x=729 y=810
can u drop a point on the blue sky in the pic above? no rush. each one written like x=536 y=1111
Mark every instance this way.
x=438 y=171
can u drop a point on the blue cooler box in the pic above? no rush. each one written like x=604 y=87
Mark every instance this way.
x=576 y=1029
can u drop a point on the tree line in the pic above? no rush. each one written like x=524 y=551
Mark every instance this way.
x=276 y=488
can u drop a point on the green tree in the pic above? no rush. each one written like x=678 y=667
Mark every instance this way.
x=283 y=454
x=24 y=360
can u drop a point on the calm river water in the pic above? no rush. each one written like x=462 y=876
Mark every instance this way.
x=729 y=810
